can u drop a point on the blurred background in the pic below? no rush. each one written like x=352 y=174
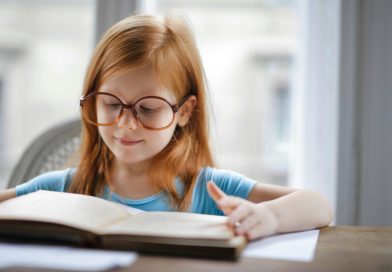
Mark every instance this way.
x=299 y=89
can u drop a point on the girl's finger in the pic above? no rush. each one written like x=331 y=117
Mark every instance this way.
x=255 y=232
x=214 y=191
x=218 y=195
x=247 y=224
x=230 y=202
x=239 y=214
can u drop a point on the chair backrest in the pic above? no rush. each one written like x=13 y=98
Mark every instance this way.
x=56 y=148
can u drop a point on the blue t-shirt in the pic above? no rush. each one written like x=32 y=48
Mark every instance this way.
x=229 y=182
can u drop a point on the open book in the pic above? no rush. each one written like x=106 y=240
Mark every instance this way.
x=93 y=222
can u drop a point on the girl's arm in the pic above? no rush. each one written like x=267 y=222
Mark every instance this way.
x=273 y=209
x=7 y=194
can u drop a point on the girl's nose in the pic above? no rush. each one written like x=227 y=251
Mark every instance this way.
x=128 y=120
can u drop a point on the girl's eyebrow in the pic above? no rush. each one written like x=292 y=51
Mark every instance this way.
x=113 y=92
x=107 y=90
x=147 y=92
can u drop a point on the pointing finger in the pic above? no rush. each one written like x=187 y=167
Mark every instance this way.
x=214 y=191
x=218 y=195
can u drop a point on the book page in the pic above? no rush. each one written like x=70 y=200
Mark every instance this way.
x=296 y=246
x=173 y=224
x=61 y=258
x=75 y=210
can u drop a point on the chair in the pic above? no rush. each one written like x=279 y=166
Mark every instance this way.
x=54 y=149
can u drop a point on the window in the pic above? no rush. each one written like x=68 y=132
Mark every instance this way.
x=43 y=56
x=247 y=48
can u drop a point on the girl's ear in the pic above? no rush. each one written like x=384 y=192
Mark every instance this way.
x=186 y=110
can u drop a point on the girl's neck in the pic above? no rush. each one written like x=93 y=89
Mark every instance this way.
x=131 y=170
x=132 y=181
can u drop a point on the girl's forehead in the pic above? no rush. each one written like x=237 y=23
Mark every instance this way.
x=138 y=77
x=134 y=83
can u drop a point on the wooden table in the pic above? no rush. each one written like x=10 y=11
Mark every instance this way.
x=338 y=249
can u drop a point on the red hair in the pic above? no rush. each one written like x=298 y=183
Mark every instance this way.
x=168 y=45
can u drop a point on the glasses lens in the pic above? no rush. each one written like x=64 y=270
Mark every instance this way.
x=102 y=109
x=154 y=113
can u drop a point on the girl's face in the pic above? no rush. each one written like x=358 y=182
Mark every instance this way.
x=127 y=139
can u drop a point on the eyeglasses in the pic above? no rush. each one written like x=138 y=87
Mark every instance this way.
x=151 y=112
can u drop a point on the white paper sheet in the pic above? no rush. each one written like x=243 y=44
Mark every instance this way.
x=298 y=246
x=62 y=257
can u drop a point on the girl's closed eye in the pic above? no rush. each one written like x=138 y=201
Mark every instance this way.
x=109 y=103
x=149 y=110
x=113 y=105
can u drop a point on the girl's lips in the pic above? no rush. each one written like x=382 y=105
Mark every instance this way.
x=126 y=141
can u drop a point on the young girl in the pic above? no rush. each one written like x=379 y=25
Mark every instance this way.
x=145 y=138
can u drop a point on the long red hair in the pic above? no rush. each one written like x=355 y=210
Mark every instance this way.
x=169 y=46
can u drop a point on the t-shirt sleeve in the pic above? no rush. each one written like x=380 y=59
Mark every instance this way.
x=51 y=181
x=230 y=182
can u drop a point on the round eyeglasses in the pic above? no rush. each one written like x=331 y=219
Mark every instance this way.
x=151 y=112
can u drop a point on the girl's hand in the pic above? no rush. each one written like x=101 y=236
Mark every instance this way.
x=247 y=218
